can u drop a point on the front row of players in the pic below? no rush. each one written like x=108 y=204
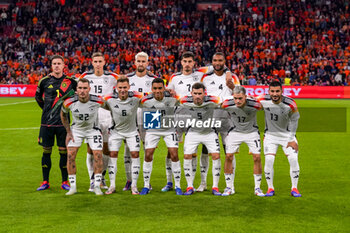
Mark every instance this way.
x=281 y=117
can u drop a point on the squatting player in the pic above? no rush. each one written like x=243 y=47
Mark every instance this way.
x=140 y=80
x=281 y=117
x=201 y=107
x=101 y=83
x=243 y=114
x=84 y=108
x=124 y=104
x=51 y=92
x=164 y=103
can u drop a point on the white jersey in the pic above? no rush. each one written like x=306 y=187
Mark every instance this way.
x=124 y=112
x=166 y=107
x=216 y=85
x=182 y=84
x=85 y=115
x=141 y=84
x=202 y=120
x=281 y=119
x=101 y=85
x=244 y=119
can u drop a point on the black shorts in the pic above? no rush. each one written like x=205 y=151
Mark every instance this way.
x=47 y=136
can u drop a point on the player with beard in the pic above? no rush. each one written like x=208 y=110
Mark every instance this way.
x=141 y=81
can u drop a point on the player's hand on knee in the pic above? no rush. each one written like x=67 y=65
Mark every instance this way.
x=69 y=137
x=294 y=145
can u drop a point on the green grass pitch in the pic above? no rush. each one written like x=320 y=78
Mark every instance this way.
x=324 y=183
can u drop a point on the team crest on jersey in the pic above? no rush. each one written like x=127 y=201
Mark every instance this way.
x=105 y=80
x=195 y=78
x=148 y=83
x=91 y=109
x=64 y=85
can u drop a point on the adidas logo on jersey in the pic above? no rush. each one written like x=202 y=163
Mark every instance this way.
x=132 y=84
x=76 y=110
x=50 y=86
x=153 y=106
x=116 y=106
x=212 y=83
x=99 y=146
x=181 y=82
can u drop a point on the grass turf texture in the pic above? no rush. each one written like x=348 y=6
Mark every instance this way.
x=324 y=184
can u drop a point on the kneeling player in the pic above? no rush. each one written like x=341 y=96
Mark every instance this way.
x=123 y=104
x=84 y=108
x=164 y=103
x=201 y=108
x=243 y=114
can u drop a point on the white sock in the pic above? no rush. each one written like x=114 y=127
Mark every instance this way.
x=216 y=172
x=176 y=168
x=257 y=180
x=294 y=169
x=135 y=171
x=204 y=164
x=90 y=165
x=147 y=171
x=188 y=172
x=169 y=176
x=112 y=170
x=229 y=180
x=72 y=181
x=269 y=160
x=194 y=168
x=98 y=179
x=127 y=162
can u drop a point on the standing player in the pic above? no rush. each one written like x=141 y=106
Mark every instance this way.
x=102 y=83
x=181 y=84
x=217 y=84
x=124 y=105
x=201 y=108
x=84 y=108
x=243 y=114
x=140 y=81
x=162 y=101
x=51 y=92
x=281 y=117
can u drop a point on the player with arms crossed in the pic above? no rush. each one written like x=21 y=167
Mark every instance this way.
x=219 y=85
x=101 y=83
x=165 y=104
x=50 y=94
x=281 y=118
x=201 y=107
x=84 y=108
x=141 y=81
x=124 y=104
x=243 y=114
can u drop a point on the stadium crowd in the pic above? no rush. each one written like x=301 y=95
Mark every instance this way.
x=301 y=42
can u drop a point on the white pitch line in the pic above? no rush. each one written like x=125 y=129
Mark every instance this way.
x=28 y=128
x=24 y=102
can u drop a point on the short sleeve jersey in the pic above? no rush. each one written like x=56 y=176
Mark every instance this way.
x=182 y=84
x=166 y=107
x=203 y=112
x=141 y=84
x=101 y=85
x=85 y=115
x=124 y=112
x=278 y=116
x=244 y=119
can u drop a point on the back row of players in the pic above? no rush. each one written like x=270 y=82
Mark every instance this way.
x=205 y=94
